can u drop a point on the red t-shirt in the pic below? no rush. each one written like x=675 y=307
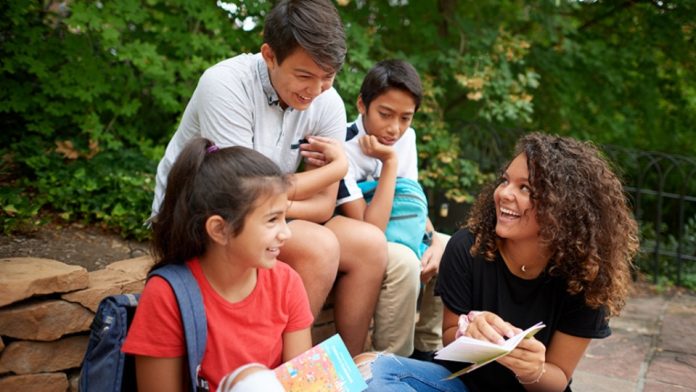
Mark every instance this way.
x=238 y=333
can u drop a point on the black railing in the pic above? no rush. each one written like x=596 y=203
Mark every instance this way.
x=663 y=192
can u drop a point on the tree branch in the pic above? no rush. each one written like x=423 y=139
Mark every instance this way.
x=622 y=6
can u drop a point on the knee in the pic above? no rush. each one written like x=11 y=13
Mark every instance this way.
x=326 y=248
x=364 y=363
x=374 y=246
x=380 y=366
x=313 y=251
x=323 y=251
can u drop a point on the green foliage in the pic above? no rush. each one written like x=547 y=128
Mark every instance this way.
x=442 y=166
x=114 y=188
x=87 y=88
x=19 y=212
x=620 y=73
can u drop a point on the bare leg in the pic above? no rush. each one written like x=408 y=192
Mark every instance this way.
x=313 y=252
x=362 y=264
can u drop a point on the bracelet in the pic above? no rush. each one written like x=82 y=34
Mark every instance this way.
x=543 y=370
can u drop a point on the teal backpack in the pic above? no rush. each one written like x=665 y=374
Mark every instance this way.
x=408 y=215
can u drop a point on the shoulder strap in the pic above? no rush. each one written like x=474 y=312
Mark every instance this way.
x=188 y=295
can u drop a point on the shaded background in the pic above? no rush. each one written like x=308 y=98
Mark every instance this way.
x=91 y=91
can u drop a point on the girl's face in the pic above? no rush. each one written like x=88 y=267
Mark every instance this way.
x=264 y=232
x=516 y=216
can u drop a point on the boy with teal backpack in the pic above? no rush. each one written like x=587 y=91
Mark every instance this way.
x=382 y=188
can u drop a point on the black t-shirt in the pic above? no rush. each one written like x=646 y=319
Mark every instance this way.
x=469 y=283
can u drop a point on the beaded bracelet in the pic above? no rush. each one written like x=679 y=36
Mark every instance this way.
x=543 y=370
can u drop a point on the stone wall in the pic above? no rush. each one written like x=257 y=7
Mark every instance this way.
x=46 y=308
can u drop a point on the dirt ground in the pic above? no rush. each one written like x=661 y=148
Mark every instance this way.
x=94 y=248
x=89 y=247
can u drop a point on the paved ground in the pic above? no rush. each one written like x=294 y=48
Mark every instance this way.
x=652 y=348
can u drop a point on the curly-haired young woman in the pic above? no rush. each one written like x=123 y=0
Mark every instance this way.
x=551 y=240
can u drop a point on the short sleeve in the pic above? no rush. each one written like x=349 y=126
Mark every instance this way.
x=454 y=282
x=348 y=189
x=332 y=119
x=156 y=330
x=580 y=320
x=224 y=107
x=300 y=315
x=409 y=162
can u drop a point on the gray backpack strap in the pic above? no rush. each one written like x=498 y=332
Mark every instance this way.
x=188 y=296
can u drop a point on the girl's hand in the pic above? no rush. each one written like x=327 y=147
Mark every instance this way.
x=320 y=151
x=489 y=327
x=371 y=147
x=527 y=361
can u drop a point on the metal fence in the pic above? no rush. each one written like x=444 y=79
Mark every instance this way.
x=663 y=192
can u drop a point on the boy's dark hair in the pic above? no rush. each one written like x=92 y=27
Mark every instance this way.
x=390 y=74
x=206 y=180
x=313 y=25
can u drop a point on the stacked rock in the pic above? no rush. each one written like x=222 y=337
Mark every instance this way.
x=46 y=308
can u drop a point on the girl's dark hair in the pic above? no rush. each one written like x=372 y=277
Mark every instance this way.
x=313 y=25
x=583 y=214
x=388 y=74
x=206 y=180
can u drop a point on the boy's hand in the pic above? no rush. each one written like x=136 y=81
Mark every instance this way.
x=320 y=151
x=430 y=262
x=371 y=147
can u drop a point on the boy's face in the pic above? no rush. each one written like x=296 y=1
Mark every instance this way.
x=298 y=80
x=389 y=115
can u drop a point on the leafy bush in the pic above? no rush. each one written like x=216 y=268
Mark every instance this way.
x=91 y=91
x=113 y=187
x=88 y=88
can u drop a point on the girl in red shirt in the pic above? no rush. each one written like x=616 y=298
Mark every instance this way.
x=223 y=215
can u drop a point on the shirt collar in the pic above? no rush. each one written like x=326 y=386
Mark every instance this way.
x=271 y=95
x=359 y=124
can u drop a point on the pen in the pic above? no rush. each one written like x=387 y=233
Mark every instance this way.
x=299 y=142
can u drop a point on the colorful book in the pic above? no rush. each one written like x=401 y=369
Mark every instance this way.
x=480 y=352
x=326 y=367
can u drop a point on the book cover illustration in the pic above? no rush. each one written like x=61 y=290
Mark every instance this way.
x=481 y=352
x=326 y=367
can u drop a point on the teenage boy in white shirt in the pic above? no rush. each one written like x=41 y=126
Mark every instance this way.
x=281 y=103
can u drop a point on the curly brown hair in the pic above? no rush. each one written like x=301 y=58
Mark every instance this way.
x=583 y=214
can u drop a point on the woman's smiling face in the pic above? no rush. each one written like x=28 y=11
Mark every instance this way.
x=515 y=212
